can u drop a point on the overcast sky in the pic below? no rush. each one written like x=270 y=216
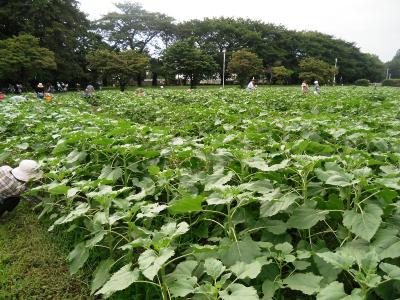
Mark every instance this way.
x=373 y=25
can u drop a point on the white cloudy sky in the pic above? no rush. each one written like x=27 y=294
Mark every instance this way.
x=373 y=25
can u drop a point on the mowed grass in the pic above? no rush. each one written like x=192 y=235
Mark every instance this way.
x=32 y=261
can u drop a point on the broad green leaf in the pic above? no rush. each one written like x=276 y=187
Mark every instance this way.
x=274 y=206
x=238 y=291
x=285 y=248
x=392 y=183
x=341 y=180
x=391 y=270
x=119 y=281
x=56 y=188
x=101 y=275
x=261 y=186
x=110 y=174
x=96 y=239
x=188 y=203
x=181 y=282
x=150 y=262
x=214 y=267
x=259 y=163
x=217 y=180
x=182 y=287
x=243 y=270
x=305 y=218
x=275 y=226
x=307 y=283
x=79 y=211
x=246 y=250
x=72 y=192
x=76 y=156
x=333 y=291
x=364 y=224
x=268 y=288
x=393 y=251
x=339 y=260
x=78 y=257
x=151 y=210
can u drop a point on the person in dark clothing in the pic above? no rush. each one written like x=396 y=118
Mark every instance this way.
x=40 y=90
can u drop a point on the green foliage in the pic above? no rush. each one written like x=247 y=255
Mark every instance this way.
x=242 y=196
x=391 y=82
x=60 y=26
x=362 y=82
x=24 y=59
x=315 y=69
x=184 y=58
x=394 y=65
x=133 y=27
x=121 y=66
x=281 y=74
x=245 y=65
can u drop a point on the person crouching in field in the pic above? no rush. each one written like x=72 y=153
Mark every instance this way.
x=304 y=87
x=12 y=183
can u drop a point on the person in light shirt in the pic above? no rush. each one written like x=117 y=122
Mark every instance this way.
x=13 y=183
x=251 y=86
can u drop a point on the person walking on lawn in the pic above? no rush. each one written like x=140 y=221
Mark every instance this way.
x=12 y=183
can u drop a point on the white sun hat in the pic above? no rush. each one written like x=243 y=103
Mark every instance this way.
x=315 y=82
x=27 y=170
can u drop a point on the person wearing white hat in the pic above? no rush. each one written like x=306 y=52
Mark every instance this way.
x=12 y=183
x=317 y=88
x=40 y=91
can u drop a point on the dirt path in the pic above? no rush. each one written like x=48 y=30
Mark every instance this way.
x=32 y=261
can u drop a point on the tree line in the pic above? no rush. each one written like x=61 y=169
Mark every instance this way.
x=48 y=41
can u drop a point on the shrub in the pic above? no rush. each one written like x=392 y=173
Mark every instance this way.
x=362 y=82
x=391 y=82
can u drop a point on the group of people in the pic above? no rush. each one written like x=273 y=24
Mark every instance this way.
x=13 y=183
x=317 y=88
x=304 y=87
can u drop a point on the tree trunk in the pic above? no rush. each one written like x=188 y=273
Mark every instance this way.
x=122 y=85
x=139 y=79
x=154 y=82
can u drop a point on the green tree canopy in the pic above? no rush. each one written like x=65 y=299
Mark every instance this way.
x=394 y=65
x=120 y=66
x=134 y=27
x=23 y=60
x=184 y=58
x=281 y=74
x=245 y=64
x=315 y=69
x=60 y=26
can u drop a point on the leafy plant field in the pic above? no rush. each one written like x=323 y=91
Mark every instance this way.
x=221 y=194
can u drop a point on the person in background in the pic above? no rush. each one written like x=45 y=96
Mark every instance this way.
x=317 y=88
x=251 y=86
x=18 y=88
x=304 y=87
x=89 y=91
x=13 y=183
x=78 y=87
x=40 y=91
x=2 y=96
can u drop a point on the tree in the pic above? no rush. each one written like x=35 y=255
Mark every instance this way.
x=315 y=69
x=22 y=59
x=133 y=27
x=184 y=58
x=60 y=26
x=245 y=64
x=281 y=74
x=120 y=66
x=394 y=65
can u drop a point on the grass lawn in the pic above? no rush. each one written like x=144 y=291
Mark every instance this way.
x=32 y=261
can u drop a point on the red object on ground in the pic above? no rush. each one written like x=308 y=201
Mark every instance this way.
x=2 y=96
